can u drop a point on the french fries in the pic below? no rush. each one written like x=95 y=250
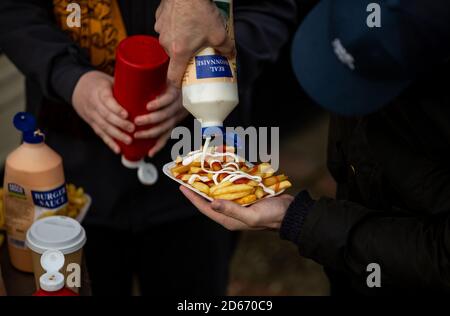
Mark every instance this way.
x=216 y=187
x=274 y=179
x=280 y=186
x=244 y=186
x=233 y=189
x=179 y=170
x=247 y=199
x=201 y=187
x=232 y=196
x=259 y=193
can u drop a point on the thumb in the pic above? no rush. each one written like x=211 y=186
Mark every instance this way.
x=177 y=68
x=227 y=48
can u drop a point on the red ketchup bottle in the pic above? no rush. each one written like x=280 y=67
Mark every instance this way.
x=52 y=283
x=140 y=76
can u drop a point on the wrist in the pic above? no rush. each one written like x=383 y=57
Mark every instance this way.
x=295 y=217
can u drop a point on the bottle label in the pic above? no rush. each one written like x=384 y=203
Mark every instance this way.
x=51 y=199
x=212 y=66
x=208 y=66
x=24 y=206
x=16 y=190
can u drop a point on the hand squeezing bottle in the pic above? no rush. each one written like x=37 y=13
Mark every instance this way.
x=209 y=85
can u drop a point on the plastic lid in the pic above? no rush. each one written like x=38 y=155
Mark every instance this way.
x=131 y=164
x=51 y=281
x=56 y=232
x=26 y=123
x=52 y=260
x=147 y=173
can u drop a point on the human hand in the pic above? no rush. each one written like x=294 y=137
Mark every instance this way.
x=266 y=214
x=166 y=112
x=185 y=27
x=94 y=102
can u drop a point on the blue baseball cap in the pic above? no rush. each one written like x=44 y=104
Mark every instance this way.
x=350 y=66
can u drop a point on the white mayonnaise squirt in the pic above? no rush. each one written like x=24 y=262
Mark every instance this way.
x=230 y=168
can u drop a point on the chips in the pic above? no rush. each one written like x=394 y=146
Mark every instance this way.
x=230 y=179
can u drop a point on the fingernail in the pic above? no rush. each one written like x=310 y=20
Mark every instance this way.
x=124 y=113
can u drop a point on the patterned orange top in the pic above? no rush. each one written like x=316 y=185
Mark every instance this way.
x=101 y=30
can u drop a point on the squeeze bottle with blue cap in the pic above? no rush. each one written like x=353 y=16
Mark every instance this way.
x=209 y=85
x=34 y=185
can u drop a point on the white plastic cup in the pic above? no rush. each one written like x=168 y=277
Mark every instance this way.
x=55 y=233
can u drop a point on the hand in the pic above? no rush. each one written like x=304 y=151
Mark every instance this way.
x=266 y=214
x=94 y=102
x=166 y=112
x=187 y=26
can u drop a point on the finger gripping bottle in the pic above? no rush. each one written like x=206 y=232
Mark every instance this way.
x=209 y=85
x=140 y=77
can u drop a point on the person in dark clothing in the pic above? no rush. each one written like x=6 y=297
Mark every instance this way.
x=132 y=229
x=389 y=141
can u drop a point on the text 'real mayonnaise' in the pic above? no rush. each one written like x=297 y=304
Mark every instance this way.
x=209 y=85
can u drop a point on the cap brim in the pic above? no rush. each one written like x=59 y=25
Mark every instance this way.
x=328 y=81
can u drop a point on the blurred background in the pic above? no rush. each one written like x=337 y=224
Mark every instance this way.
x=263 y=264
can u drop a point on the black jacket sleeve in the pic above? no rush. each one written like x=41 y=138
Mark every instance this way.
x=42 y=52
x=412 y=251
x=262 y=28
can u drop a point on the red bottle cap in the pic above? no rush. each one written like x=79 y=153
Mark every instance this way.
x=62 y=292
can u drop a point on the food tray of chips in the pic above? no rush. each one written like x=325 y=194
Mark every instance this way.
x=223 y=175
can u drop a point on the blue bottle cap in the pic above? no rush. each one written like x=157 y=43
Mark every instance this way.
x=230 y=139
x=26 y=123
x=212 y=131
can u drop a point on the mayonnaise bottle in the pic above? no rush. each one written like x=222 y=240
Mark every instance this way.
x=209 y=85
x=34 y=184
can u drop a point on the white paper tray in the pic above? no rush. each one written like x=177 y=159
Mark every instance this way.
x=170 y=165
x=85 y=208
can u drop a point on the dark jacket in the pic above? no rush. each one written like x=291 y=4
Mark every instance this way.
x=393 y=198
x=53 y=64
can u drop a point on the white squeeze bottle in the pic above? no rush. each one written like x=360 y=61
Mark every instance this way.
x=209 y=85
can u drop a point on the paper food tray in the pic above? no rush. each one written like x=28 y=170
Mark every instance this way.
x=170 y=165
x=85 y=208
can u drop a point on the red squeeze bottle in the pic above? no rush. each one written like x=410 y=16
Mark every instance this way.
x=62 y=292
x=140 y=76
